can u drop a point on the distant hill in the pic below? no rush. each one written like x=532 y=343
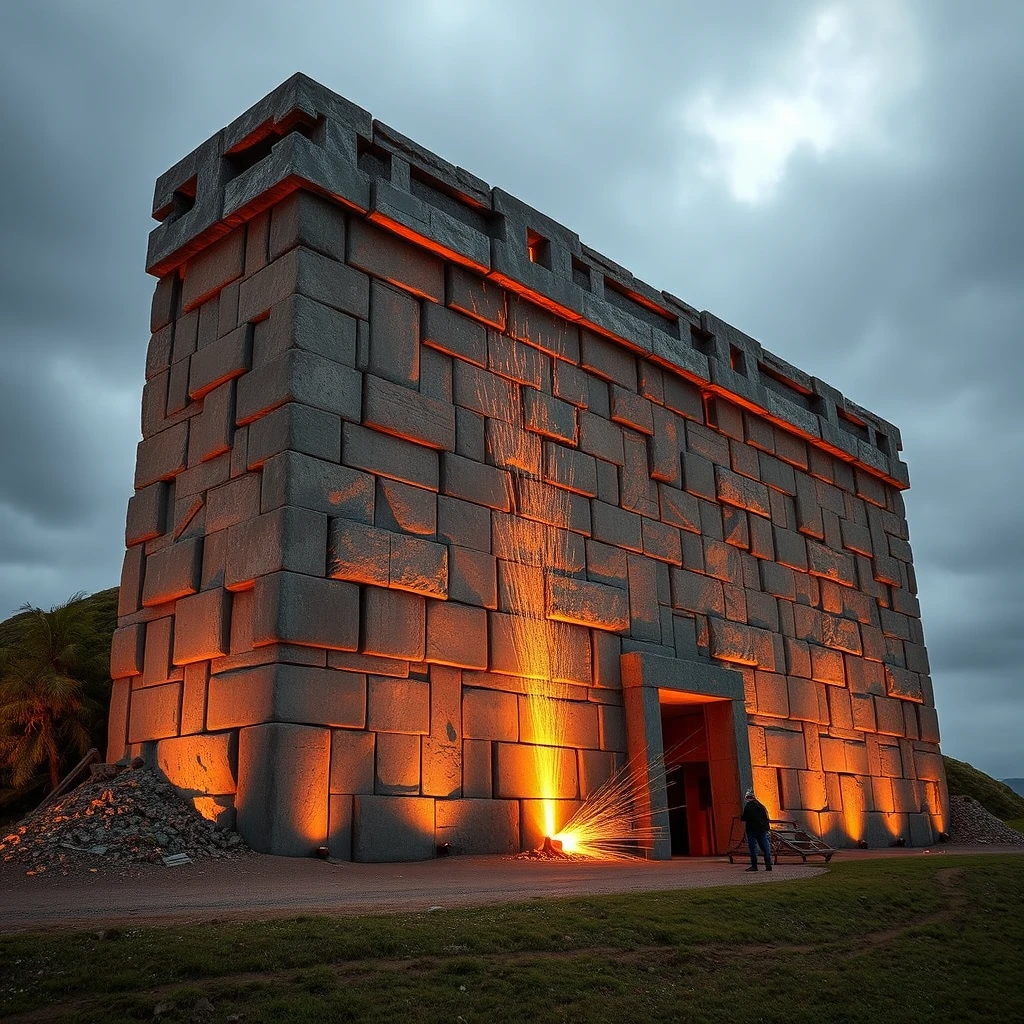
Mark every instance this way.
x=996 y=797
x=1017 y=785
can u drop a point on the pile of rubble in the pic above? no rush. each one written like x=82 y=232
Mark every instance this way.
x=970 y=823
x=128 y=816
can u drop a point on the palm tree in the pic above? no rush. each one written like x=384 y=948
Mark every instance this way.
x=44 y=712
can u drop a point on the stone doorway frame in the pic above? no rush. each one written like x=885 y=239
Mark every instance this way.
x=644 y=678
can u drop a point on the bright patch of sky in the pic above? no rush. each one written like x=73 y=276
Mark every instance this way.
x=828 y=91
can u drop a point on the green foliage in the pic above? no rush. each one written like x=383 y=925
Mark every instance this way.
x=996 y=797
x=909 y=939
x=54 y=690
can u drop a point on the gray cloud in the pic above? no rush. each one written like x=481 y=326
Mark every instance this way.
x=887 y=259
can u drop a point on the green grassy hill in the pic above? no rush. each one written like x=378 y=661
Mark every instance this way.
x=996 y=797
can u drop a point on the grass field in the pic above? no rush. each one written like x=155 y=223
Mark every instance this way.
x=876 y=940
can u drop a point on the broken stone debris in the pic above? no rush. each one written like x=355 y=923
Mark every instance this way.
x=970 y=823
x=131 y=817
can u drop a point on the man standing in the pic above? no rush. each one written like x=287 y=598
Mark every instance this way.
x=755 y=817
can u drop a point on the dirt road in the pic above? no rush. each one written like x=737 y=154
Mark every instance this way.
x=258 y=886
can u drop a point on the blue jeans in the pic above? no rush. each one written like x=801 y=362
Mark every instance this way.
x=753 y=842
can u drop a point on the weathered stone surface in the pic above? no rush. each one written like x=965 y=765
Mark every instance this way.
x=359 y=553
x=352 y=760
x=296 y=609
x=587 y=604
x=397 y=410
x=524 y=770
x=393 y=828
x=201 y=625
x=289 y=538
x=286 y=693
x=456 y=635
x=200 y=764
x=398 y=705
x=283 y=787
x=476 y=827
x=393 y=624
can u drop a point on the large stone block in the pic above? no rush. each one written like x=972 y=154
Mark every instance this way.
x=352 y=761
x=478 y=297
x=295 y=479
x=419 y=566
x=147 y=514
x=456 y=635
x=398 y=705
x=286 y=693
x=478 y=826
x=398 y=764
x=388 y=456
x=213 y=268
x=283 y=788
x=402 y=508
x=393 y=828
x=490 y=715
x=537 y=772
x=391 y=258
x=162 y=456
x=359 y=553
x=289 y=538
x=126 y=651
x=297 y=428
x=455 y=335
x=393 y=624
x=300 y=323
x=297 y=609
x=394 y=409
x=472 y=577
x=308 y=220
x=303 y=377
x=304 y=272
x=199 y=764
x=558 y=723
x=201 y=628
x=155 y=713
x=211 y=367
x=550 y=416
x=587 y=603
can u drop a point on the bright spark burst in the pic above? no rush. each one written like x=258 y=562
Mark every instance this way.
x=613 y=821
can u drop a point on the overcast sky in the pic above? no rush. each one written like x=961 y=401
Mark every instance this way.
x=840 y=180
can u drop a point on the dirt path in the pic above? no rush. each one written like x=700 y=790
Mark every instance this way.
x=259 y=887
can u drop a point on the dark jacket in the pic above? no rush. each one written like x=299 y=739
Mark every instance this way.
x=755 y=815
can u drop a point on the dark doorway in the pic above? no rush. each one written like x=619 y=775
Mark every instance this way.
x=679 y=831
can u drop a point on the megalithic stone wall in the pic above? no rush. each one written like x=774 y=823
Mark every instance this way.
x=371 y=380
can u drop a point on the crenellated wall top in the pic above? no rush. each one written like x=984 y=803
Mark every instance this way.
x=303 y=135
